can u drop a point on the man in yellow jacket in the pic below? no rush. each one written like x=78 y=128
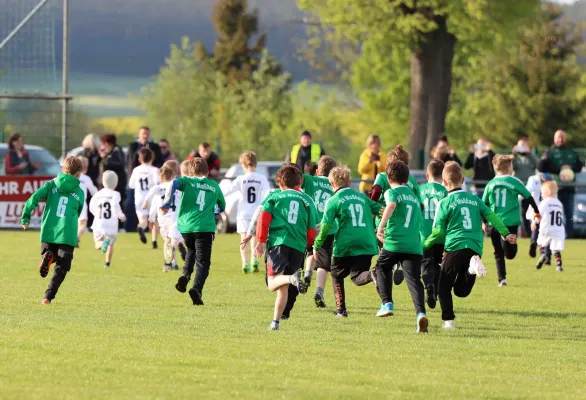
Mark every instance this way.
x=305 y=151
x=372 y=161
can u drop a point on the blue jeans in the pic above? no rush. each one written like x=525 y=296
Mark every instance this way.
x=567 y=200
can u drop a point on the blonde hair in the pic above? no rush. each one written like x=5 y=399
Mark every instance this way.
x=72 y=166
x=91 y=142
x=397 y=153
x=110 y=180
x=549 y=189
x=84 y=163
x=185 y=168
x=503 y=163
x=198 y=167
x=452 y=174
x=174 y=165
x=248 y=159
x=373 y=138
x=166 y=173
x=341 y=177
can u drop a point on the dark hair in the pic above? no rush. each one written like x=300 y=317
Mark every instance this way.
x=398 y=172
x=306 y=133
x=109 y=138
x=146 y=155
x=443 y=138
x=289 y=176
x=325 y=165
x=435 y=168
x=199 y=166
x=16 y=136
x=205 y=145
x=310 y=168
x=297 y=167
x=164 y=141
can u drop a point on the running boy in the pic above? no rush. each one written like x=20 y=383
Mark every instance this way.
x=552 y=233
x=64 y=202
x=458 y=222
x=253 y=188
x=534 y=186
x=501 y=194
x=196 y=222
x=105 y=206
x=87 y=186
x=432 y=193
x=285 y=228
x=399 y=232
x=320 y=190
x=142 y=179
x=350 y=215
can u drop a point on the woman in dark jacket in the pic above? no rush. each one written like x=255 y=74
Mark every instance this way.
x=17 y=160
x=113 y=160
x=480 y=161
x=91 y=150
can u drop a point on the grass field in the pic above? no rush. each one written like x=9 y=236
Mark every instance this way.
x=125 y=332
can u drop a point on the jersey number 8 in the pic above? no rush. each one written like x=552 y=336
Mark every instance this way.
x=293 y=212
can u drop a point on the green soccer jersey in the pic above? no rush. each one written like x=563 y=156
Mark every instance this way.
x=352 y=212
x=320 y=190
x=402 y=229
x=269 y=195
x=502 y=196
x=198 y=203
x=431 y=194
x=293 y=213
x=64 y=202
x=383 y=181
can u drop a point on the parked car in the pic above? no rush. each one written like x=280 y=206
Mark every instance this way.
x=226 y=221
x=580 y=205
x=49 y=164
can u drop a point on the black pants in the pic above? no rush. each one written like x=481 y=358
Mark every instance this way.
x=430 y=265
x=411 y=264
x=199 y=254
x=358 y=267
x=502 y=250
x=63 y=256
x=526 y=223
x=454 y=275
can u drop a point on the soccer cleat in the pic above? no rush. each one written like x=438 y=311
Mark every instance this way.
x=342 y=314
x=155 y=245
x=274 y=326
x=307 y=277
x=431 y=299
x=106 y=265
x=245 y=269
x=255 y=265
x=559 y=266
x=449 y=324
x=477 y=267
x=195 y=297
x=46 y=301
x=296 y=281
x=548 y=260
x=182 y=250
x=502 y=283
x=46 y=262
x=422 y=323
x=398 y=276
x=181 y=284
x=105 y=244
x=174 y=265
x=284 y=317
x=386 y=310
x=373 y=277
x=533 y=249
x=167 y=268
x=319 y=300
x=541 y=261
x=168 y=253
x=141 y=235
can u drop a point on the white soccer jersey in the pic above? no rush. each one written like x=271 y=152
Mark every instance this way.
x=253 y=187
x=105 y=206
x=552 y=218
x=156 y=196
x=534 y=187
x=86 y=184
x=142 y=179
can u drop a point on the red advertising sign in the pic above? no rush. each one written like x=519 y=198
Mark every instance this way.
x=14 y=192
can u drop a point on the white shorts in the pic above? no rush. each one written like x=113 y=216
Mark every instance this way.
x=83 y=215
x=169 y=230
x=140 y=212
x=554 y=243
x=100 y=235
x=242 y=225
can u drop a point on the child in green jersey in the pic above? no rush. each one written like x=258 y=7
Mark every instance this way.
x=202 y=198
x=64 y=203
x=502 y=196
x=320 y=190
x=285 y=227
x=458 y=222
x=431 y=193
x=399 y=232
x=350 y=215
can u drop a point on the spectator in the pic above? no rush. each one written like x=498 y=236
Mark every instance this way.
x=91 y=150
x=305 y=151
x=480 y=161
x=557 y=158
x=166 y=150
x=17 y=161
x=144 y=140
x=372 y=161
x=204 y=150
x=113 y=160
x=524 y=165
x=444 y=152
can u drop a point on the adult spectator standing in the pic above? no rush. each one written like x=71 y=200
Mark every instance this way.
x=444 y=152
x=557 y=158
x=372 y=161
x=166 y=150
x=305 y=151
x=524 y=165
x=204 y=150
x=144 y=140
x=91 y=150
x=17 y=161
x=480 y=161
x=113 y=160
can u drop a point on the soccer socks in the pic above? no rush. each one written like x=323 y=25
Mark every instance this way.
x=558 y=261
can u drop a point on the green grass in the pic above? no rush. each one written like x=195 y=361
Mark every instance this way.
x=125 y=332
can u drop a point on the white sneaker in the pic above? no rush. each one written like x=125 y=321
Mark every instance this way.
x=449 y=325
x=477 y=267
x=502 y=283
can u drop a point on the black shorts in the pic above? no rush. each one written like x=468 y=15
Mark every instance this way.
x=355 y=265
x=324 y=255
x=58 y=250
x=457 y=261
x=283 y=260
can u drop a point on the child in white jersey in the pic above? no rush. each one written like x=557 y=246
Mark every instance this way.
x=105 y=206
x=552 y=233
x=143 y=178
x=87 y=186
x=253 y=188
x=534 y=186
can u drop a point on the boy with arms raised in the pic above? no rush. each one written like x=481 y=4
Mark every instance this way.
x=285 y=228
x=501 y=194
x=350 y=215
x=196 y=222
x=458 y=222
x=432 y=193
x=64 y=202
x=399 y=232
